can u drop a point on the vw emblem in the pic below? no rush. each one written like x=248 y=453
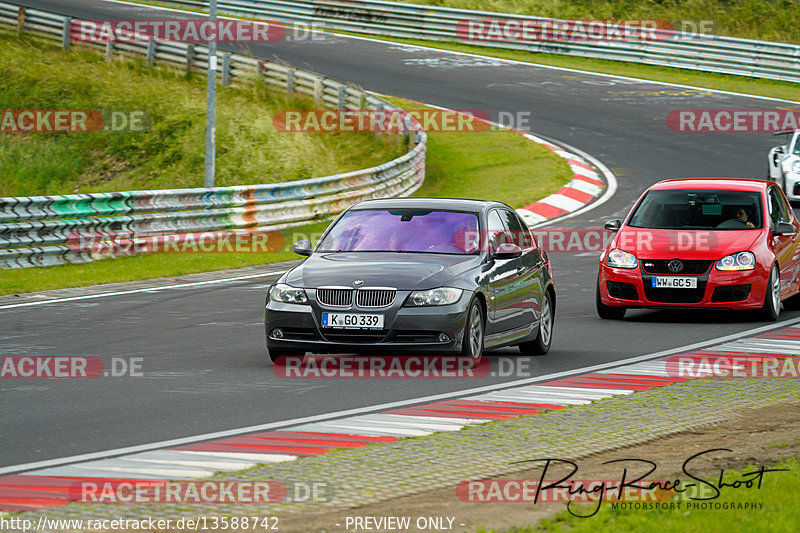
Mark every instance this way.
x=358 y=282
x=675 y=266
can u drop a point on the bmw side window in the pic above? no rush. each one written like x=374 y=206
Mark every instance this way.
x=496 y=230
x=519 y=232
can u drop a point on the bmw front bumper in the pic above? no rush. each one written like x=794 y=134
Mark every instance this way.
x=405 y=329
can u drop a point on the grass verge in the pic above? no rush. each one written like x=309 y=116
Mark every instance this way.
x=38 y=75
x=495 y=165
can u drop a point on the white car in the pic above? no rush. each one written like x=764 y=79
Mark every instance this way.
x=783 y=163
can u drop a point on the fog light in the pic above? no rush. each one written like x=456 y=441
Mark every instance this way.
x=443 y=337
x=277 y=333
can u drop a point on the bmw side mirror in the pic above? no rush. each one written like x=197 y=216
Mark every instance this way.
x=784 y=228
x=302 y=247
x=507 y=251
x=613 y=225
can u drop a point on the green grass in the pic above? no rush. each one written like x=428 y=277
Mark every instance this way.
x=778 y=493
x=770 y=20
x=489 y=164
x=34 y=75
x=493 y=165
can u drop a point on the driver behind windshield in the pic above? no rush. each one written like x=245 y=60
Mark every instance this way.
x=741 y=215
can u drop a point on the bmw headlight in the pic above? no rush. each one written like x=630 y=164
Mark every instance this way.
x=440 y=296
x=289 y=295
x=796 y=167
x=621 y=259
x=738 y=261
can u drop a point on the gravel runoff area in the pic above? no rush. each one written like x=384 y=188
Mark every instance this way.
x=390 y=472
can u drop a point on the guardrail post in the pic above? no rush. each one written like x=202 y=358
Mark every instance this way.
x=109 y=50
x=65 y=33
x=151 y=54
x=226 y=69
x=20 y=21
x=189 y=58
x=342 y=95
x=290 y=82
x=319 y=83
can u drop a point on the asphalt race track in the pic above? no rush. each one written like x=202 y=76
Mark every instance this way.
x=202 y=348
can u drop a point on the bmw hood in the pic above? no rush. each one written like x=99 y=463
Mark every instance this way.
x=683 y=244
x=412 y=271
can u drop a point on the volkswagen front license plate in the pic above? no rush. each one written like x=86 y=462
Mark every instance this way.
x=673 y=282
x=352 y=321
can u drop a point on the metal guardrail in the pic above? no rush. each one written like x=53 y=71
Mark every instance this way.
x=710 y=53
x=35 y=230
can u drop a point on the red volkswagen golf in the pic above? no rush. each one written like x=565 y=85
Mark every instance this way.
x=702 y=242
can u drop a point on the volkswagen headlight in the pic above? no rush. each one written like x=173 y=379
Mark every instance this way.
x=440 y=296
x=737 y=261
x=621 y=259
x=796 y=167
x=286 y=294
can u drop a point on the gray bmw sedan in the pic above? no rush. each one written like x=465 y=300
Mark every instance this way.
x=436 y=275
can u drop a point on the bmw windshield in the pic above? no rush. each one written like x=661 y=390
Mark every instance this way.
x=702 y=210
x=402 y=230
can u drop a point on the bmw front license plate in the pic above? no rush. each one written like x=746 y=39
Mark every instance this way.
x=673 y=282
x=352 y=321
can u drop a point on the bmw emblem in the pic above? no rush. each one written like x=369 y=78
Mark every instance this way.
x=675 y=266
x=358 y=282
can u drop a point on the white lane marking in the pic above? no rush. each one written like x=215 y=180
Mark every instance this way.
x=581 y=173
x=522 y=399
x=562 y=202
x=741 y=350
x=407 y=421
x=83 y=471
x=394 y=431
x=260 y=457
x=211 y=463
x=462 y=421
x=530 y=217
x=638 y=371
x=134 y=291
x=394 y=405
x=777 y=344
x=584 y=186
x=570 y=392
